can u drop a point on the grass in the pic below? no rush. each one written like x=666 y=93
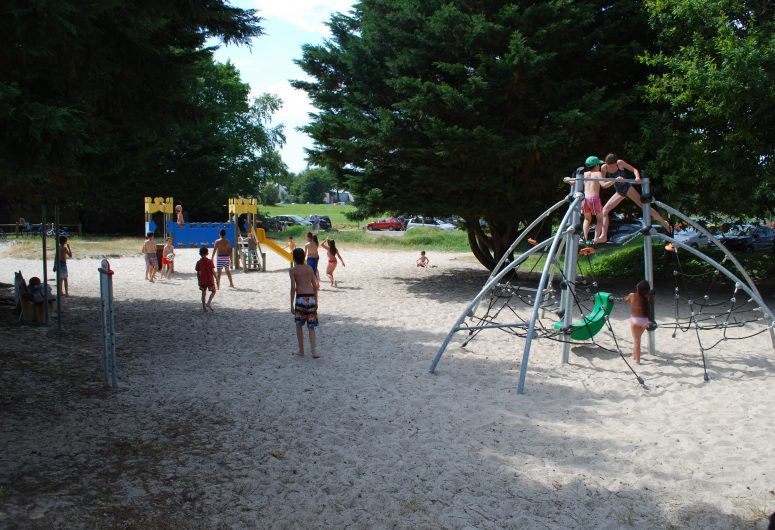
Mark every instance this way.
x=416 y=238
x=86 y=246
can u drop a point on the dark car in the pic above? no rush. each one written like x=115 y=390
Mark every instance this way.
x=324 y=221
x=750 y=238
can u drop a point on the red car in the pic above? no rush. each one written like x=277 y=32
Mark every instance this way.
x=385 y=224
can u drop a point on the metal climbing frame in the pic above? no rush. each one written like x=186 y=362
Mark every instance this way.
x=567 y=235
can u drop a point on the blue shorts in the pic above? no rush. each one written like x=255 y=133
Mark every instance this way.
x=62 y=268
x=313 y=262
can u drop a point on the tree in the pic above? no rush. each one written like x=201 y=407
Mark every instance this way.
x=312 y=184
x=472 y=108
x=715 y=80
x=95 y=94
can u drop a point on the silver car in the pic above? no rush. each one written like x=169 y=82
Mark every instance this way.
x=429 y=222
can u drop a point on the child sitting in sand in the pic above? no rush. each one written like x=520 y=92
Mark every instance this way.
x=423 y=260
x=639 y=315
x=167 y=258
x=205 y=273
x=304 y=301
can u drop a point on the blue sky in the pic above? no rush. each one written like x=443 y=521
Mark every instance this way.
x=268 y=66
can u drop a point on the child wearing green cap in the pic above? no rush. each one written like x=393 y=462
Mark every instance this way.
x=592 y=204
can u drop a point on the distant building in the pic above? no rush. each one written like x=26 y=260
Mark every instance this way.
x=333 y=197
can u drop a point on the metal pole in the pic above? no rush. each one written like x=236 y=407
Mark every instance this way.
x=57 y=258
x=45 y=260
x=571 y=257
x=648 y=259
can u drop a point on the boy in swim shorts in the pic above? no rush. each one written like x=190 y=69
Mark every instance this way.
x=151 y=261
x=304 y=302
x=222 y=253
x=592 y=204
x=64 y=253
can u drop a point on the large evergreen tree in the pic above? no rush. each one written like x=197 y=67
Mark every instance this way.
x=715 y=78
x=473 y=108
x=102 y=95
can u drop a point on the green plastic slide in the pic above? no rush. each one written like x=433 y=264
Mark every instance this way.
x=589 y=326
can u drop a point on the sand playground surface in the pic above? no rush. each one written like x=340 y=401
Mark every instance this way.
x=216 y=424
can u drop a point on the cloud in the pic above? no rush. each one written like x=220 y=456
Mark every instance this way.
x=309 y=15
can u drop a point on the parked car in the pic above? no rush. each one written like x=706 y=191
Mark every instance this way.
x=291 y=220
x=385 y=224
x=624 y=232
x=324 y=221
x=429 y=222
x=691 y=237
x=750 y=238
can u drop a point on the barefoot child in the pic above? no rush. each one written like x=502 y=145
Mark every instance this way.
x=639 y=315
x=333 y=254
x=222 y=253
x=179 y=211
x=64 y=253
x=304 y=301
x=151 y=262
x=311 y=252
x=205 y=273
x=167 y=258
x=423 y=260
x=592 y=204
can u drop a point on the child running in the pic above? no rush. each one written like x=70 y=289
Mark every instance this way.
x=423 y=260
x=304 y=302
x=167 y=258
x=333 y=254
x=639 y=315
x=64 y=253
x=151 y=261
x=205 y=274
x=311 y=252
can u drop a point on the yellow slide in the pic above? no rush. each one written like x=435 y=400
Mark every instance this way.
x=260 y=234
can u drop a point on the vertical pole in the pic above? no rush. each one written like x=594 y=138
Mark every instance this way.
x=571 y=257
x=45 y=260
x=648 y=259
x=56 y=260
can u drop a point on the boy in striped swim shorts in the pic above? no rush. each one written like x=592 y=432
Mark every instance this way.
x=222 y=252
x=304 y=301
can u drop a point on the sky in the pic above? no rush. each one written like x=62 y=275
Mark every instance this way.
x=268 y=66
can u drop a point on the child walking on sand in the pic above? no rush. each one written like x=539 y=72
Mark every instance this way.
x=423 y=260
x=151 y=261
x=64 y=253
x=167 y=258
x=205 y=274
x=333 y=254
x=639 y=315
x=304 y=302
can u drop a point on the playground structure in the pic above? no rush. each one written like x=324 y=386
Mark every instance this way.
x=198 y=234
x=551 y=316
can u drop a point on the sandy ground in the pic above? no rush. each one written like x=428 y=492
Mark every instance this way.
x=217 y=425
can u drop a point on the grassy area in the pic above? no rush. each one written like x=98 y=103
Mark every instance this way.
x=416 y=238
x=85 y=246
x=334 y=211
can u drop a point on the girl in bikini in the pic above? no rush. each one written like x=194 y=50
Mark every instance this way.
x=639 y=315
x=311 y=252
x=333 y=254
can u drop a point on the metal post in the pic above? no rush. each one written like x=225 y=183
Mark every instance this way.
x=45 y=259
x=648 y=259
x=107 y=321
x=571 y=259
x=57 y=259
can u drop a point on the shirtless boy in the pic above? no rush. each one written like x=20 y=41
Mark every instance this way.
x=592 y=204
x=614 y=168
x=151 y=262
x=222 y=252
x=311 y=253
x=304 y=301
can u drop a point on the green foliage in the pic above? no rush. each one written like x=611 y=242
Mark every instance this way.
x=419 y=239
x=472 y=108
x=312 y=184
x=715 y=80
x=102 y=103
